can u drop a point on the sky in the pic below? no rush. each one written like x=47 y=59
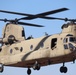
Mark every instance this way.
x=51 y=27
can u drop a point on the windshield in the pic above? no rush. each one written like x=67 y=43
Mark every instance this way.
x=72 y=39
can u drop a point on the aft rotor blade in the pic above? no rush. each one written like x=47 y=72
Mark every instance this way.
x=44 y=14
x=46 y=17
x=65 y=19
x=17 y=13
x=29 y=24
x=30 y=16
x=53 y=11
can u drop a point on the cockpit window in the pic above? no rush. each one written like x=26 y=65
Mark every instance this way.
x=72 y=39
x=65 y=46
x=65 y=40
x=69 y=39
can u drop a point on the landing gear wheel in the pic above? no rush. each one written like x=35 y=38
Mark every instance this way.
x=29 y=71
x=63 y=69
x=1 y=68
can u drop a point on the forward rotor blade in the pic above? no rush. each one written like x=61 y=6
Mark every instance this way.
x=29 y=24
x=5 y=20
x=1 y=19
x=21 y=23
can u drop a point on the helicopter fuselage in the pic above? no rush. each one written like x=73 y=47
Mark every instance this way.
x=46 y=50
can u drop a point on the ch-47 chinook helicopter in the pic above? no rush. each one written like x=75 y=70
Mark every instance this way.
x=18 y=51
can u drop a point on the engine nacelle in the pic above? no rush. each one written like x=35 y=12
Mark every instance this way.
x=13 y=32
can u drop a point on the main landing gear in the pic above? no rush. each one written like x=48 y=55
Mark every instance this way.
x=36 y=66
x=63 y=69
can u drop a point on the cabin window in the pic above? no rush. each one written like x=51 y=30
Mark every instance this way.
x=42 y=45
x=11 y=50
x=53 y=43
x=21 y=49
x=31 y=47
